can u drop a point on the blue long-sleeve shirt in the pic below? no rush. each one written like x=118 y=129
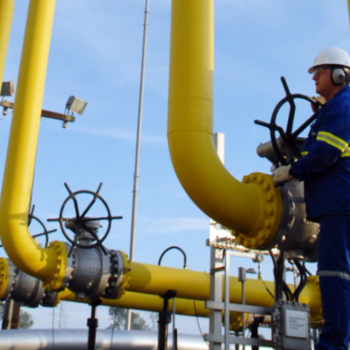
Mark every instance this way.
x=325 y=164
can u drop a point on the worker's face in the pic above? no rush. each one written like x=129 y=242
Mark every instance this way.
x=323 y=83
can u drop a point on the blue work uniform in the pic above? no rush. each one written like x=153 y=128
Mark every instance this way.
x=325 y=169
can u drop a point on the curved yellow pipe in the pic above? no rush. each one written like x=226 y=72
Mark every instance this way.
x=252 y=207
x=47 y=264
x=6 y=15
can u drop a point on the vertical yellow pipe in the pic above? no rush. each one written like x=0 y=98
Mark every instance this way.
x=252 y=207
x=47 y=264
x=6 y=15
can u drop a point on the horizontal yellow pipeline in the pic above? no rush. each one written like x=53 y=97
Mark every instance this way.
x=145 y=284
x=47 y=264
x=189 y=284
x=154 y=303
x=146 y=302
x=154 y=279
x=6 y=15
x=250 y=207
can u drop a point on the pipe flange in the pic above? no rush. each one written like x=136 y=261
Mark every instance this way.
x=116 y=275
x=64 y=267
x=8 y=278
x=50 y=299
x=4 y=278
x=124 y=274
x=258 y=237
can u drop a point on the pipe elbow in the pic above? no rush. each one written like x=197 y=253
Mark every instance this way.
x=48 y=264
x=252 y=208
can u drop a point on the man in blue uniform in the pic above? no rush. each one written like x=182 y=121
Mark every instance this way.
x=325 y=169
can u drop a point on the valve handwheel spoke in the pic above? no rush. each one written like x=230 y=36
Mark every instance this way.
x=81 y=221
x=45 y=232
x=289 y=137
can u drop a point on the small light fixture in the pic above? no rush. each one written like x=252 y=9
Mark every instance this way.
x=75 y=104
x=7 y=88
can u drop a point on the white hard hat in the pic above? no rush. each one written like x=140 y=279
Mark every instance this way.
x=331 y=56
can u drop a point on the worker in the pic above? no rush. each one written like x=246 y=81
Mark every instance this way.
x=325 y=169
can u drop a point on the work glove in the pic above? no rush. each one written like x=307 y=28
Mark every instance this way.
x=281 y=175
x=319 y=100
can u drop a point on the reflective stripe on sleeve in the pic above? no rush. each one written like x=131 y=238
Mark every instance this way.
x=332 y=140
x=339 y=274
x=304 y=153
x=346 y=152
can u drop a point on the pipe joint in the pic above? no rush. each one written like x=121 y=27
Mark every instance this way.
x=19 y=286
x=5 y=276
x=96 y=274
x=61 y=266
x=268 y=216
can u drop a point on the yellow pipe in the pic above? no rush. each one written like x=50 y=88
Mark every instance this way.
x=4 y=277
x=146 y=302
x=6 y=15
x=154 y=279
x=154 y=303
x=252 y=207
x=144 y=285
x=311 y=296
x=47 y=264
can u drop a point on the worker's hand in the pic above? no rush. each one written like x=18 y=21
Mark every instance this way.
x=281 y=175
x=319 y=102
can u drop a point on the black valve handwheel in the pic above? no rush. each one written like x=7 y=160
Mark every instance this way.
x=81 y=220
x=45 y=232
x=289 y=137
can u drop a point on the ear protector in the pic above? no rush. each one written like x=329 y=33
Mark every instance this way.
x=339 y=77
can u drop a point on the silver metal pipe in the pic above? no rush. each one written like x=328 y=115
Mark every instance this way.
x=72 y=339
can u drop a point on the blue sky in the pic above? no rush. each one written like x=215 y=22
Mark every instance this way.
x=96 y=55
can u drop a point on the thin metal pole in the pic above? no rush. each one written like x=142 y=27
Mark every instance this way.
x=227 y=299
x=137 y=156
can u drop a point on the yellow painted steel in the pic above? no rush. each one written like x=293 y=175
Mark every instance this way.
x=154 y=303
x=153 y=279
x=311 y=296
x=147 y=283
x=6 y=15
x=146 y=302
x=4 y=277
x=253 y=207
x=47 y=264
